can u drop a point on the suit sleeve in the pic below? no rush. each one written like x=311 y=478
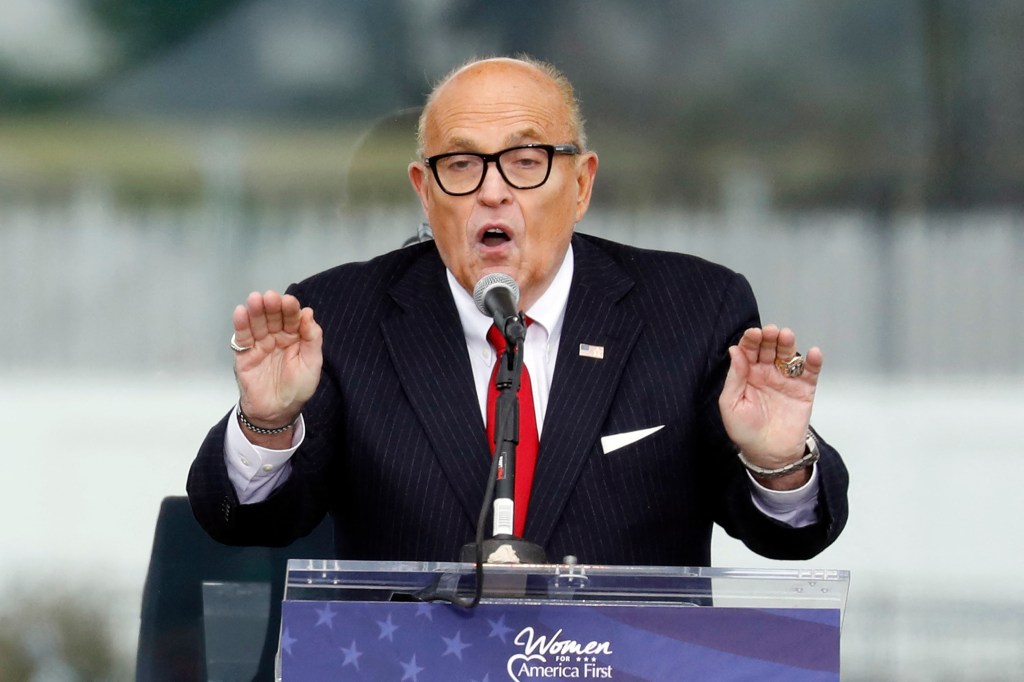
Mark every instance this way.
x=735 y=511
x=295 y=508
x=292 y=511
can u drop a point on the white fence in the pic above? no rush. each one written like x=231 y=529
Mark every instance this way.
x=94 y=285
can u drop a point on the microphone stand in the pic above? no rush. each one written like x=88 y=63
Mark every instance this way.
x=504 y=546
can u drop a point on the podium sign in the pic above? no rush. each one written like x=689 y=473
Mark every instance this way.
x=361 y=621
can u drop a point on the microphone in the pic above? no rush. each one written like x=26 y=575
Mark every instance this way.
x=497 y=295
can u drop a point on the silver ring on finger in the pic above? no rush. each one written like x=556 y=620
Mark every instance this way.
x=238 y=349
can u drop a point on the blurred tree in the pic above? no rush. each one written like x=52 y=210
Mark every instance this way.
x=144 y=27
x=874 y=103
x=136 y=29
x=948 y=157
x=47 y=635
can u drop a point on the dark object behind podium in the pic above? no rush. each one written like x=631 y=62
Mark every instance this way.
x=172 y=636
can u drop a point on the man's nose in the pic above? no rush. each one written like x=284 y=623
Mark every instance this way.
x=494 y=189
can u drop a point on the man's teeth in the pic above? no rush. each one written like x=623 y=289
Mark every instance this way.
x=495 y=237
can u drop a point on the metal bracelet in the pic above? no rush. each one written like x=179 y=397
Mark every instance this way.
x=259 y=429
x=811 y=455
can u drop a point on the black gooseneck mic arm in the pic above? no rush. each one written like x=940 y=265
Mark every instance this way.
x=506 y=438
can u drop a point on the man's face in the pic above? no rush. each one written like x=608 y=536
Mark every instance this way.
x=488 y=107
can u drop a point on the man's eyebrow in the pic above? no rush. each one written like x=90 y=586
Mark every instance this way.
x=464 y=144
x=518 y=137
x=461 y=144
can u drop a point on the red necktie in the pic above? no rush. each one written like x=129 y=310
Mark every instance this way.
x=526 y=451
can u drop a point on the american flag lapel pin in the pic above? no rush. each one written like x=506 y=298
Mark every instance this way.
x=589 y=351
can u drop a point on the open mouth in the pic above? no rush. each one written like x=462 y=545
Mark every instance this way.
x=494 y=237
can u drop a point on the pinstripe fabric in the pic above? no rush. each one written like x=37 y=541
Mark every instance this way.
x=396 y=449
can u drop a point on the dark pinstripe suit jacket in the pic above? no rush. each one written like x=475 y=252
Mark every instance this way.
x=396 y=451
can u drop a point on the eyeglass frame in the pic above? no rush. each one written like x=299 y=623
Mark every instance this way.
x=552 y=149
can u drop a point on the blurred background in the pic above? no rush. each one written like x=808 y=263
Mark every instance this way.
x=861 y=161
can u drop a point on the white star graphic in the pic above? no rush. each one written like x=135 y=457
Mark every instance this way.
x=487 y=678
x=325 y=616
x=352 y=655
x=427 y=610
x=412 y=670
x=387 y=629
x=286 y=641
x=499 y=629
x=455 y=645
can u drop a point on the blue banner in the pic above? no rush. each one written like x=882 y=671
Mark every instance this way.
x=408 y=642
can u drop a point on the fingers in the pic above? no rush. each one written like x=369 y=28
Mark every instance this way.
x=308 y=329
x=736 y=377
x=785 y=345
x=256 y=312
x=750 y=344
x=767 y=352
x=770 y=344
x=291 y=314
x=240 y=321
x=271 y=321
x=813 y=360
x=282 y=312
x=264 y=315
x=273 y=310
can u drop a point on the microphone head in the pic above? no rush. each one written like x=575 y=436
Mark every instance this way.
x=493 y=281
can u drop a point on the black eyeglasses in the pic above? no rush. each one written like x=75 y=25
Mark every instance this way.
x=523 y=167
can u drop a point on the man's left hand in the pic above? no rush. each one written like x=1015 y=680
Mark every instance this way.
x=766 y=412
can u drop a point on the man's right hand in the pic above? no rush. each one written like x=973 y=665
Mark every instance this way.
x=281 y=370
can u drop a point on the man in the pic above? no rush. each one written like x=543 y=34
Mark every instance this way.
x=363 y=391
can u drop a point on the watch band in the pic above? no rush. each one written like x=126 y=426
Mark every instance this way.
x=811 y=455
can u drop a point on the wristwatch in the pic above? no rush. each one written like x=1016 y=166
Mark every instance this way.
x=811 y=455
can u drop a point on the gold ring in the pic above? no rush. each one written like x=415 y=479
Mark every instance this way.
x=792 y=368
x=238 y=349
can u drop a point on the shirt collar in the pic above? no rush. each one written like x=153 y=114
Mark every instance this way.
x=548 y=311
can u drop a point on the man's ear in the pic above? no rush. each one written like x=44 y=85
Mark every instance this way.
x=418 y=177
x=586 y=170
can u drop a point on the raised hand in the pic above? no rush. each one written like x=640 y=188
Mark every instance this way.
x=280 y=369
x=766 y=412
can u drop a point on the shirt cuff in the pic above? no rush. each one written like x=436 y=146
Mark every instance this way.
x=796 y=508
x=254 y=471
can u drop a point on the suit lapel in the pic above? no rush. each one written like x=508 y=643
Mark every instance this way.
x=583 y=387
x=429 y=353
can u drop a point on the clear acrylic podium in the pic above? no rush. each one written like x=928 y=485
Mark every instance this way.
x=346 y=620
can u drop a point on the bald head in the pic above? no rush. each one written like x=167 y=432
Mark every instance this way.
x=490 y=107
x=505 y=78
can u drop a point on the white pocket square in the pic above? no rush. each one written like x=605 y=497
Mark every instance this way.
x=621 y=440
